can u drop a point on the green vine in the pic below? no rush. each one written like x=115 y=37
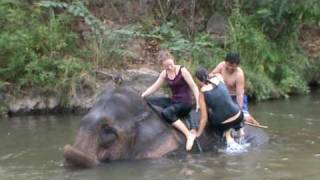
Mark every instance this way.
x=80 y=10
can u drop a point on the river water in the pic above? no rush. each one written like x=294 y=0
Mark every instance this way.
x=31 y=148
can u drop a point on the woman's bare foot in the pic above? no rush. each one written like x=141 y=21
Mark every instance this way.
x=190 y=141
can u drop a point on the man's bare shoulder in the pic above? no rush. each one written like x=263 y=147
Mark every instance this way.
x=218 y=68
x=239 y=70
x=240 y=73
x=221 y=64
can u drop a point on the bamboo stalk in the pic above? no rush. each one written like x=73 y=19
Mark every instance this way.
x=256 y=125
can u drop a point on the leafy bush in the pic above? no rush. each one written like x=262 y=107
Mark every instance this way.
x=34 y=44
x=78 y=9
x=280 y=20
x=199 y=51
x=280 y=65
x=39 y=48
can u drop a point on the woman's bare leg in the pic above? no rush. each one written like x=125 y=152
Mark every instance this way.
x=189 y=135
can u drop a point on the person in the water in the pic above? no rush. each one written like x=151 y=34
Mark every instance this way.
x=234 y=79
x=217 y=106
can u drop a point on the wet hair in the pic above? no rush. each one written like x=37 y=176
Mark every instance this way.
x=233 y=58
x=164 y=55
x=202 y=74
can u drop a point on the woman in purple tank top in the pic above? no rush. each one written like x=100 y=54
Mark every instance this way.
x=179 y=105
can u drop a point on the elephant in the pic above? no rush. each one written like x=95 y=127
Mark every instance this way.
x=122 y=125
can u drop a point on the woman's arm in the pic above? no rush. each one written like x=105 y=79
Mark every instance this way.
x=155 y=86
x=204 y=115
x=188 y=78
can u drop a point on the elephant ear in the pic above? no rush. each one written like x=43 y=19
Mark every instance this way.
x=153 y=136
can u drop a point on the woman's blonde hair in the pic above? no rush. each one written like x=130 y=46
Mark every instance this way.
x=164 y=55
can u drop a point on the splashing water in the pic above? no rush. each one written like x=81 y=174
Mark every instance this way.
x=235 y=148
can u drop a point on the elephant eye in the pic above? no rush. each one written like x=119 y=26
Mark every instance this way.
x=107 y=136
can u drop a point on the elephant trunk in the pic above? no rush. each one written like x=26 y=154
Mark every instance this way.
x=83 y=152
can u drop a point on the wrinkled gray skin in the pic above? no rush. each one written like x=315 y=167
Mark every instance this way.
x=122 y=126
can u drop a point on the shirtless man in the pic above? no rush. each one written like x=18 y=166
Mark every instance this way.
x=234 y=79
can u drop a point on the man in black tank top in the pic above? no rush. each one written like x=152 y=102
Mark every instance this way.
x=217 y=107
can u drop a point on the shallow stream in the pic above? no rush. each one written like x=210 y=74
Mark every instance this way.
x=31 y=148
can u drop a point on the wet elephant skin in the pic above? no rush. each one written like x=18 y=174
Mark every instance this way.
x=121 y=125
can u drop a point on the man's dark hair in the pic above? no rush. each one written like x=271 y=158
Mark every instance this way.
x=233 y=58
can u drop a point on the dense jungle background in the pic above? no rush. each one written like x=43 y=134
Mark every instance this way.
x=56 y=45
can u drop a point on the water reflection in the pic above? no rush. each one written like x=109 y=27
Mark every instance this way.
x=31 y=148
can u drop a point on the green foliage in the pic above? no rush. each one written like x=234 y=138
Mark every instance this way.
x=313 y=73
x=34 y=45
x=279 y=65
x=308 y=11
x=113 y=47
x=39 y=48
x=173 y=39
x=200 y=50
x=78 y=9
x=260 y=86
x=108 y=48
x=115 y=50
x=3 y=109
x=280 y=20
